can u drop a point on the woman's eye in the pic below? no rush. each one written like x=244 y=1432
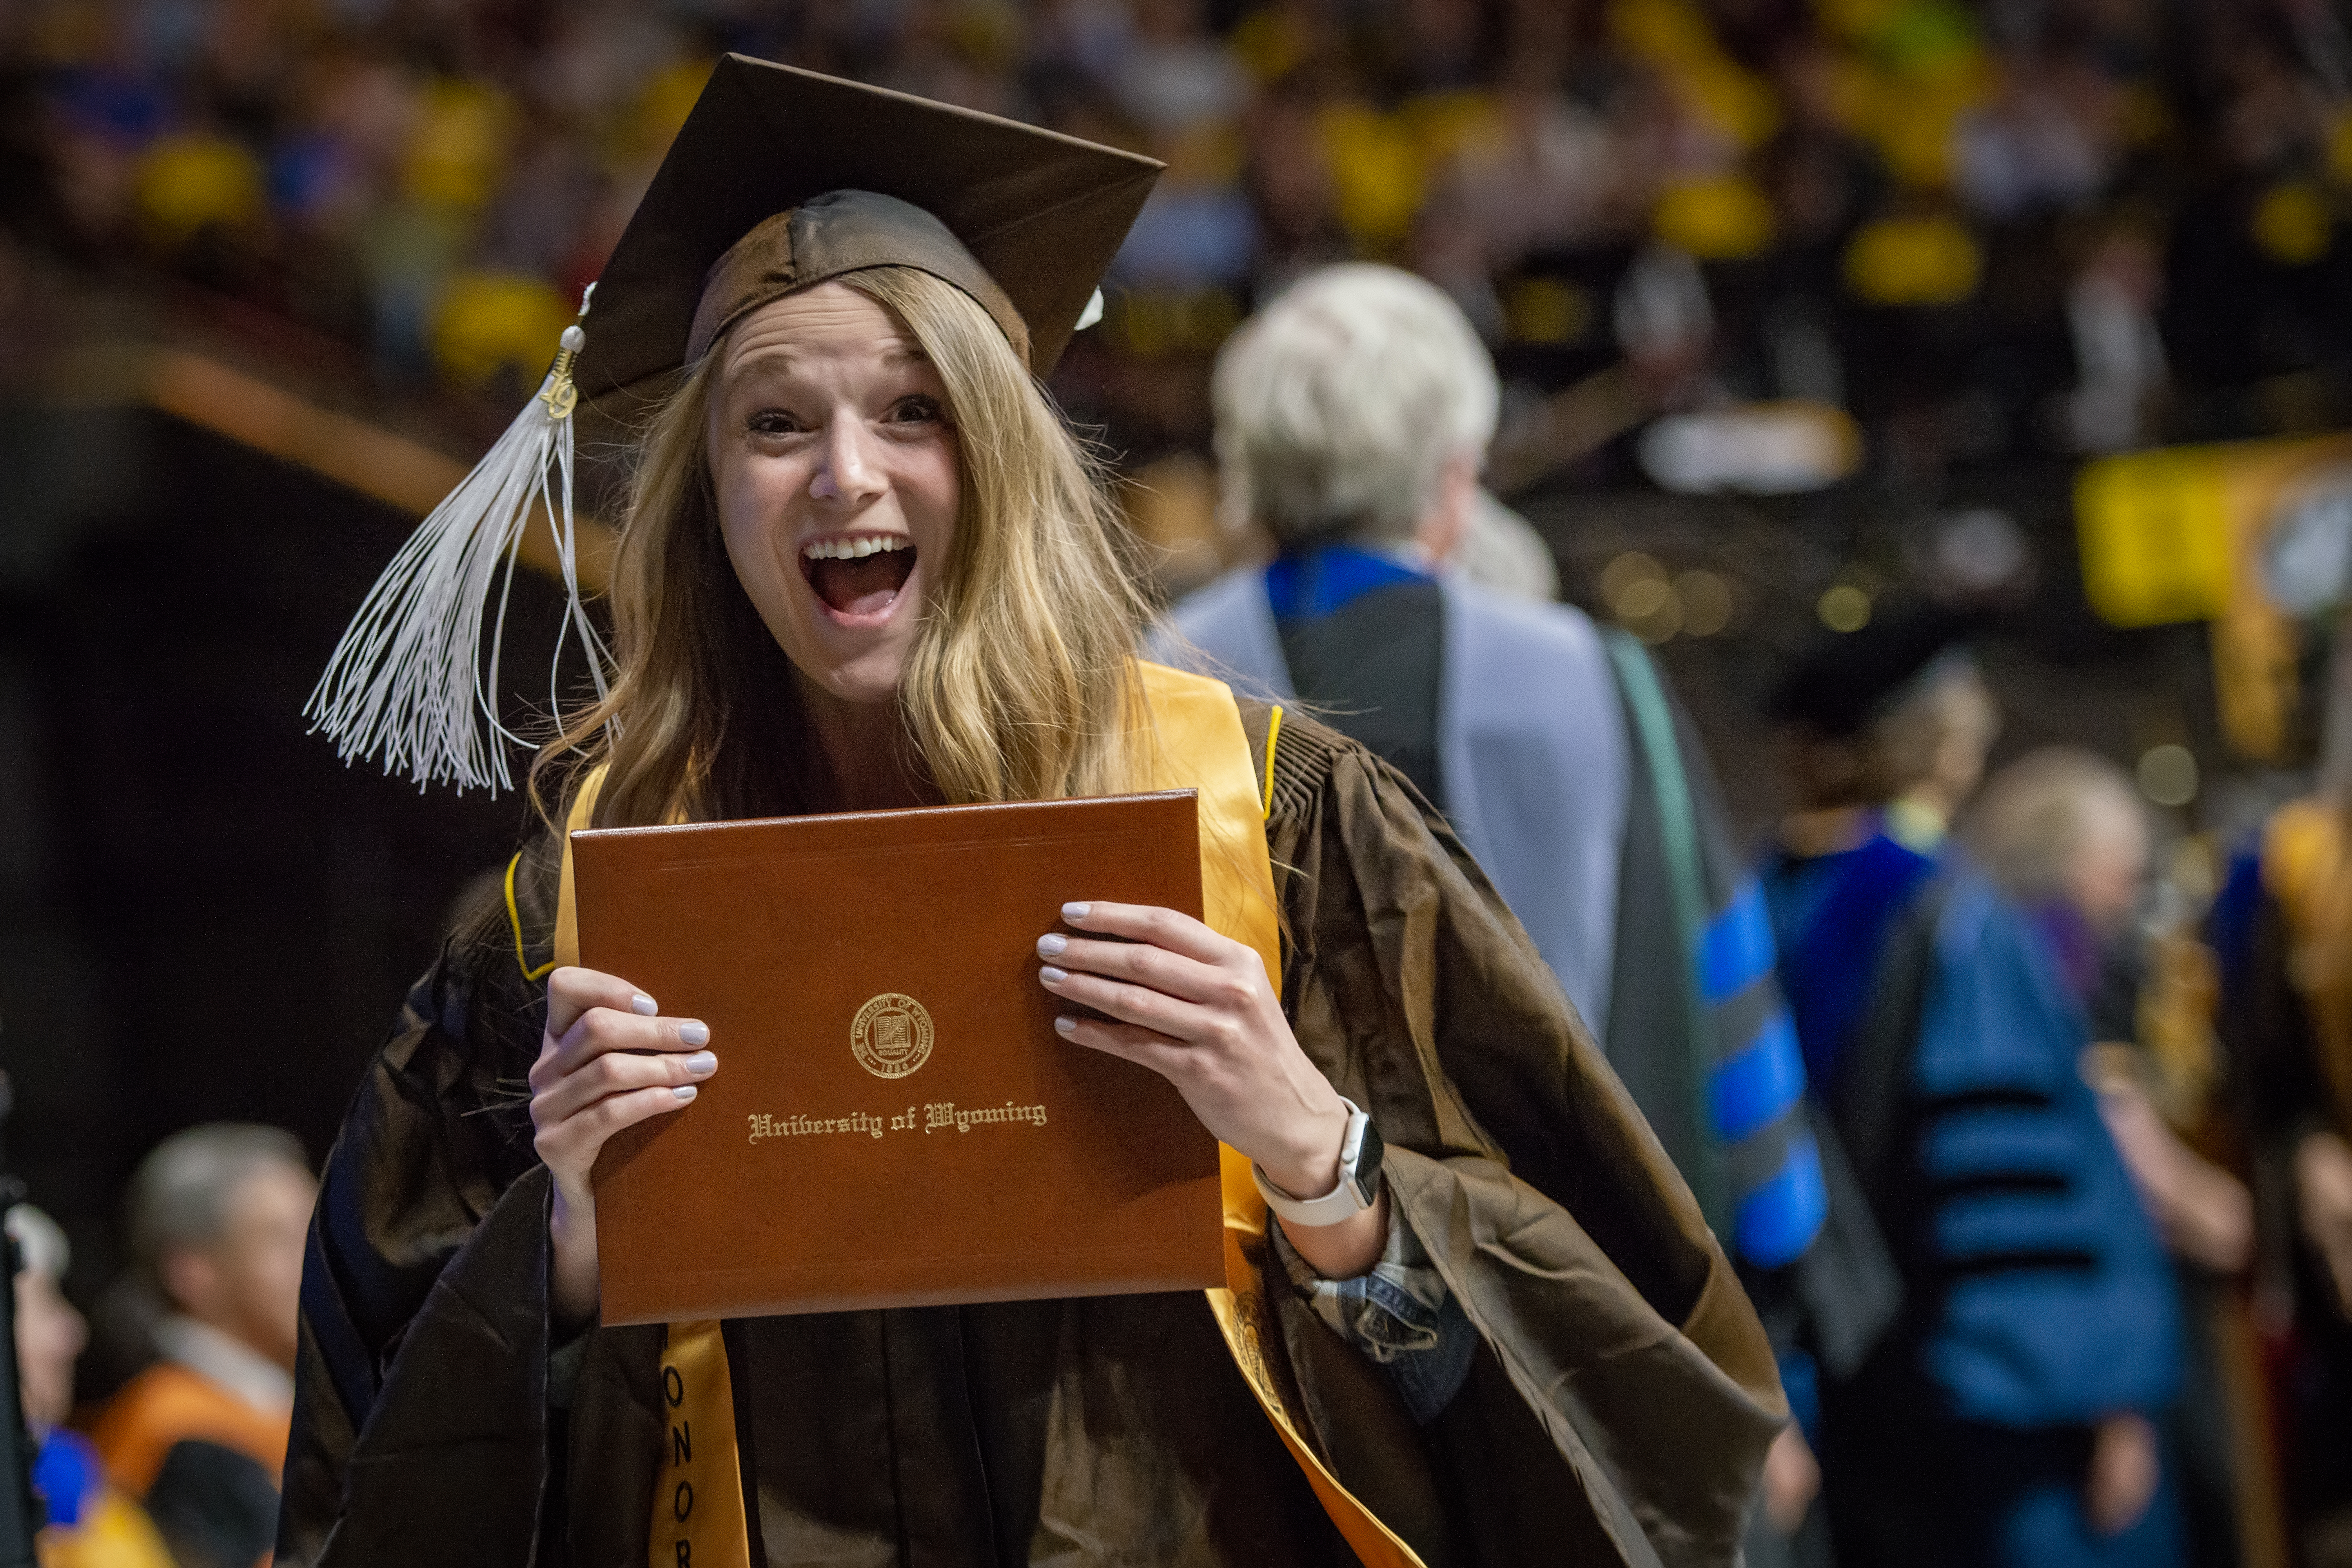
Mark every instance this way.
x=916 y=410
x=773 y=422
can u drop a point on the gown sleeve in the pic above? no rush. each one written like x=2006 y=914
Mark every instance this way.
x=424 y=1348
x=1623 y=1395
x=2054 y=1303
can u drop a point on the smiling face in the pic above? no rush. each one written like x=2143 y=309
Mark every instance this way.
x=834 y=465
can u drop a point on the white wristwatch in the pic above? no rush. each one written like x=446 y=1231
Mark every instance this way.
x=1360 y=1152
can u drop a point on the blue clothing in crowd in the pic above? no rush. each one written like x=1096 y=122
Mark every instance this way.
x=68 y=1476
x=2038 y=1298
x=1553 y=749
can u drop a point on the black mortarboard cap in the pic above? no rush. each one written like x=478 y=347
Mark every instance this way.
x=1847 y=679
x=1024 y=220
x=779 y=180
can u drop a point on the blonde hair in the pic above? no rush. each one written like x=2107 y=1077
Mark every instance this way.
x=1019 y=683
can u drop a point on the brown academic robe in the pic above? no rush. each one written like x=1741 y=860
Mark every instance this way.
x=1617 y=1410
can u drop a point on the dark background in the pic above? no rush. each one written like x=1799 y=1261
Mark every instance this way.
x=203 y=915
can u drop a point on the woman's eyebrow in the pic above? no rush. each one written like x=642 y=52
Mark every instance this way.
x=778 y=359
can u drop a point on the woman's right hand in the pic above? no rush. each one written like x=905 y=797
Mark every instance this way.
x=607 y=1061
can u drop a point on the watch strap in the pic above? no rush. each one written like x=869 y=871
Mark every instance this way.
x=1355 y=1192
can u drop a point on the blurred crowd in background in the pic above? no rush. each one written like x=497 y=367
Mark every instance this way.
x=1983 y=229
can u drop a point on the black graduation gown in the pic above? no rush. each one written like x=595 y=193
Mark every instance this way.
x=1617 y=1410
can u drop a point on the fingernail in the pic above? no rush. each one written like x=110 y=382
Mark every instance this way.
x=694 y=1032
x=703 y=1064
x=643 y=1005
x=1051 y=975
x=1050 y=946
x=1066 y=1026
x=1075 y=912
x=685 y=1091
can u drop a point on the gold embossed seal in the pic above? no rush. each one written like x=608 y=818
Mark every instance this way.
x=891 y=1035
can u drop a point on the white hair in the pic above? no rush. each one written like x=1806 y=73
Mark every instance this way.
x=2041 y=813
x=1339 y=406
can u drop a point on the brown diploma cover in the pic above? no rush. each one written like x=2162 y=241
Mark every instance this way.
x=893 y=1122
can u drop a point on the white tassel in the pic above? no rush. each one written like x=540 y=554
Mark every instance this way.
x=408 y=680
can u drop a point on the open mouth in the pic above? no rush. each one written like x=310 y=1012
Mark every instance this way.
x=859 y=574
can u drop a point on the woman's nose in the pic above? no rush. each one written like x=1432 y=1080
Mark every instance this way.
x=846 y=469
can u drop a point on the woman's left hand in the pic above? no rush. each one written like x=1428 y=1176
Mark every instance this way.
x=1198 y=1009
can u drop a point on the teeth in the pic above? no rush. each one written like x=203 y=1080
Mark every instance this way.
x=854 y=549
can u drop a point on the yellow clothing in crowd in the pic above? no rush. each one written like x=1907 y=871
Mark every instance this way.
x=91 y=1525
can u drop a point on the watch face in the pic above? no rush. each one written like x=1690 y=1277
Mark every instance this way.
x=1369 y=1155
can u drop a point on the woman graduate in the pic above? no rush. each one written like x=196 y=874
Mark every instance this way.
x=865 y=565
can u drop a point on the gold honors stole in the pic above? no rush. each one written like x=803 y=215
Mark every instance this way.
x=1199 y=743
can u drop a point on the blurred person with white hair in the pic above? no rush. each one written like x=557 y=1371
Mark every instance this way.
x=87 y=1524
x=2009 y=1420
x=1353 y=415
x=218 y=1217
x=2063 y=831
